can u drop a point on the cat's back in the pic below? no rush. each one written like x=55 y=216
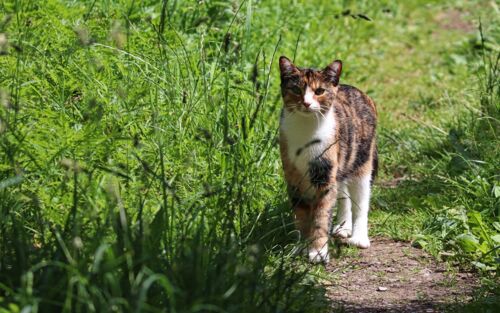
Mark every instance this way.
x=356 y=114
x=358 y=102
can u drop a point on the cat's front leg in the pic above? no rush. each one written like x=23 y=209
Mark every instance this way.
x=359 y=190
x=318 y=250
x=303 y=218
x=343 y=226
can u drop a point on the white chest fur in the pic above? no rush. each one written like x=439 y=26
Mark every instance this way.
x=307 y=136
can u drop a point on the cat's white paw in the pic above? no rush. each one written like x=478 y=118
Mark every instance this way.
x=341 y=231
x=319 y=256
x=359 y=241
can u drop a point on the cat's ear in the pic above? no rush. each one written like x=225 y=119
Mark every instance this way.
x=332 y=72
x=286 y=67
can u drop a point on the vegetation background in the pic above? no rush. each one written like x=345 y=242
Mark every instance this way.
x=139 y=169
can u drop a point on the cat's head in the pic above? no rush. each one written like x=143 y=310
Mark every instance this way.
x=306 y=90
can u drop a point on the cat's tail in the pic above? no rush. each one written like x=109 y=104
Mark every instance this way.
x=374 y=164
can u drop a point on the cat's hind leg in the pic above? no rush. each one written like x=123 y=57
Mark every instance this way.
x=359 y=190
x=343 y=225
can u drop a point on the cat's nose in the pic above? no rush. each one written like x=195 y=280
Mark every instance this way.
x=307 y=104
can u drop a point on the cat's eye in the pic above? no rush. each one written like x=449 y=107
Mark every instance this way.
x=296 y=90
x=319 y=91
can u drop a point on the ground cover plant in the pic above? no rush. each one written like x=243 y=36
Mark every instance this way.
x=139 y=169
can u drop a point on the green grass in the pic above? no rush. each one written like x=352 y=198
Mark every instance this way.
x=139 y=169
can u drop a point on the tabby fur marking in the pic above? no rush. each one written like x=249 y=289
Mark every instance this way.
x=328 y=151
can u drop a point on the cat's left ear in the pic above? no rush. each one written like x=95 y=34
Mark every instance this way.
x=332 y=72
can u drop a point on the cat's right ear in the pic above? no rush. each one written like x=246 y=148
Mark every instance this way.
x=286 y=67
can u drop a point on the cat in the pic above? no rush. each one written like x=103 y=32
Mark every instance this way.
x=328 y=152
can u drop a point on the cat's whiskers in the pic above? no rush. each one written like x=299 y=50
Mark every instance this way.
x=317 y=119
x=320 y=113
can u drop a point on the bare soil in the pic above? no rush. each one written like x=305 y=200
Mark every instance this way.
x=393 y=276
x=454 y=19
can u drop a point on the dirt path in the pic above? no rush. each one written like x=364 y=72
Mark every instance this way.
x=395 y=277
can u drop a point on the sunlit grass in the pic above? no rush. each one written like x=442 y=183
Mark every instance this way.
x=139 y=168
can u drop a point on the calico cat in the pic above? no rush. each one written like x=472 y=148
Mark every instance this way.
x=328 y=151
